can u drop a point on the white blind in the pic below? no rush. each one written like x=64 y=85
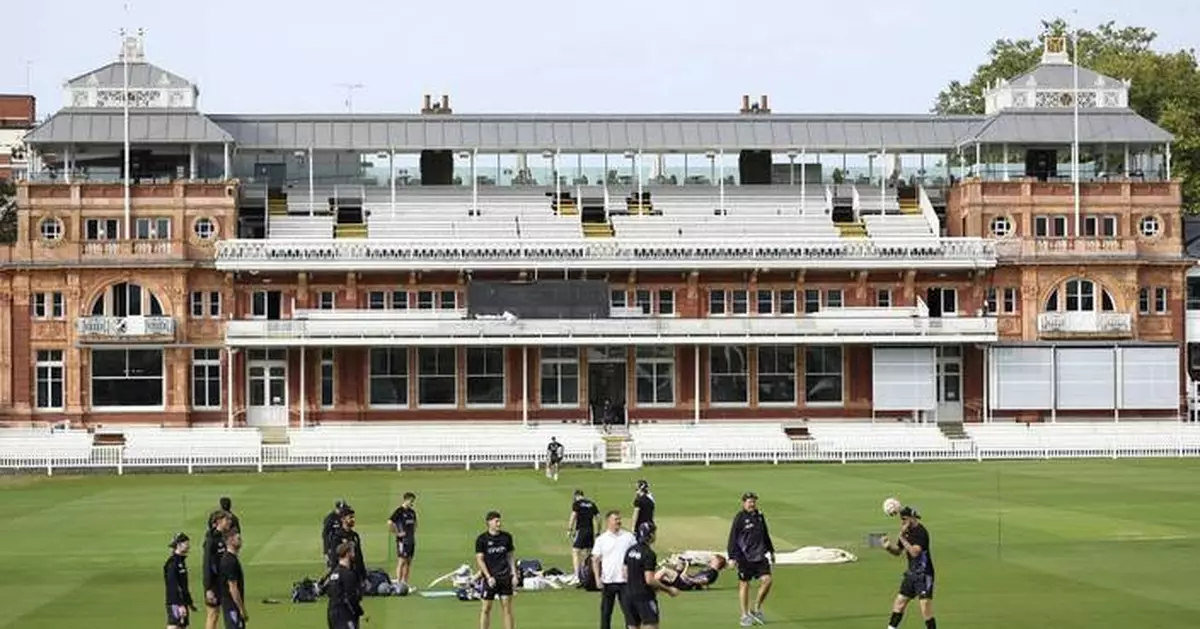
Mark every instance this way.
x=1087 y=378
x=1150 y=378
x=904 y=379
x=1024 y=378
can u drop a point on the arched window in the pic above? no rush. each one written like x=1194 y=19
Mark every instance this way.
x=1080 y=296
x=127 y=299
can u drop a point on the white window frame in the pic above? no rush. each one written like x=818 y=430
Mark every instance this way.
x=669 y=310
x=399 y=300
x=204 y=228
x=152 y=228
x=643 y=299
x=830 y=301
x=659 y=362
x=48 y=305
x=214 y=304
x=556 y=358
x=1009 y=301
x=840 y=374
x=739 y=300
x=50 y=229
x=453 y=376
x=204 y=361
x=786 y=298
x=404 y=374
x=326 y=298
x=327 y=371
x=196 y=305
x=127 y=409
x=713 y=374
x=50 y=368
x=103 y=229
x=769 y=302
x=1160 y=300
x=1149 y=226
x=774 y=373
x=618 y=298
x=1001 y=226
x=502 y=375
x=820 y=300
x=377 y=300
x=718 y=303
x=883 y=298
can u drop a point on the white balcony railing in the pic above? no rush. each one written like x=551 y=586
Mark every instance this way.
x=125 y=328
x=778 y=253
x=342 y=327
x=1098 y=323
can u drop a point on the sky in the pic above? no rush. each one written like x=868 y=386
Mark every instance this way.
x=544 y=56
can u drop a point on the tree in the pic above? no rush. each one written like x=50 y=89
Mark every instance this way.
x=1165 y=85
x=8 y=212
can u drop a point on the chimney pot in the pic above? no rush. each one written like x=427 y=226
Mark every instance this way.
x=445 y=101
x=745 y=103
x=427 y=101
x=765 y=106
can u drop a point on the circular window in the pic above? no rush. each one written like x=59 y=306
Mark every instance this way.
x=205 y=228
x=1001 y=226
x=51 y=229
x=1150 y=226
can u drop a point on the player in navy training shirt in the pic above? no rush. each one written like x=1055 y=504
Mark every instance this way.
x=555 y=452
x=913 y=544
x=344 y=592
x=495 y=559
x=751 y=549
x=643 y=505
x=233 y=584
x=581 y=528
x=403 y=524
x=214 y=549
x=641 y=583
x=175 y=577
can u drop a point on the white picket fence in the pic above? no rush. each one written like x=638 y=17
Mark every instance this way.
x=193 y=450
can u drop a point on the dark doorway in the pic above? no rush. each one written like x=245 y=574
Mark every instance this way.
x=606 y=392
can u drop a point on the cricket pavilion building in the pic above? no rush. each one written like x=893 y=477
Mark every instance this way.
x=295 y=269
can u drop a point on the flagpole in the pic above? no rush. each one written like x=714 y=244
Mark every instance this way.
x=1075 y=124
x=125 y=116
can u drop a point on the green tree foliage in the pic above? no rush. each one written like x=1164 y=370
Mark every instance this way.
x=1166 y=85
x=8 y=212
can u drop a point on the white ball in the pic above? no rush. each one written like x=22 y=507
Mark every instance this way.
x=891 y=507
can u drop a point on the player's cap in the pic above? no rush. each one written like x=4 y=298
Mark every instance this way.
x=642 y=484
x=178 y=539
x=347 y=510
x=226 y=503
x=749 y=496
x=492 y=515
x=645 y=530
x=909 y=512
x=578 y=492
x=339 y=504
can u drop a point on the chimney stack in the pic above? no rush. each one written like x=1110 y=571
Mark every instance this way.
x=445 y=103
x=426 y=105
x=765 y=108
x=745 y=104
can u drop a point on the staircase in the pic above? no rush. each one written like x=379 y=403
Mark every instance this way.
x=350 y=230
x=274 y=435
x=620 y=453
x=852 y=230
x=910 y=206
x=277 y=206
x=566 y=207
x=598 y=230
x=953 y=431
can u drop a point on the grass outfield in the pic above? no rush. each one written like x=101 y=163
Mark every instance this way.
x=1084 y=543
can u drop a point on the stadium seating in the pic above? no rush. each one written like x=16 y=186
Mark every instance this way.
x=442 y=443
x=1083 y=439
x=711 y=441
x=882 y=440
x=155 y=447
x=40 y=447
x=300 y=227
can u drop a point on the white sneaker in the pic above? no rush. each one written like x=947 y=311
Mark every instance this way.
x=758 y=617
x=747 y=621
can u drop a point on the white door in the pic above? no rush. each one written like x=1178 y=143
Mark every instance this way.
x=266 y=384
x=950 y=384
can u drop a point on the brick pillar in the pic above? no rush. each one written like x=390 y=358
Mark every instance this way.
x=6 y=364
x=909 y=298
x=691 y=300
x=22 y=358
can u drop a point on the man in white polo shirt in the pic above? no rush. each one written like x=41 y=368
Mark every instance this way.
x=608 y=564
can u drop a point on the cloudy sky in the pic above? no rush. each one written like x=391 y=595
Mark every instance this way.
x=551 y=56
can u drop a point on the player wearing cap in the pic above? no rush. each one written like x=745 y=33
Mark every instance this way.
x=643 y=505
x=175 y=577
x=913 y=544
x=403 y=525
x=581 y=528
x=639 y=596
x=214 y=549
x=329 y=531
x=750 y=548
x=497 y=564
x=554 y=457
x=226 y=504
